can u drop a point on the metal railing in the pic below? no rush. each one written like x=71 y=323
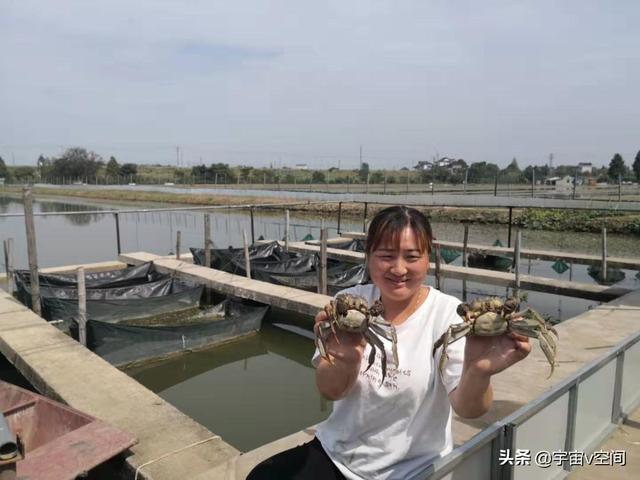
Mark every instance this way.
x=575 y=415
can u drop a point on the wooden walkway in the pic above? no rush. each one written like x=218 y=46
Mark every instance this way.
x=170 y=444
x=527 y=282
x=578 y=258
x=287 y=298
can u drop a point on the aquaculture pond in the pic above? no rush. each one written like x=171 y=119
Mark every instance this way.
x=261 y=388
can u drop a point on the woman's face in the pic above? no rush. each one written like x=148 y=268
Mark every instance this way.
x=399 y=272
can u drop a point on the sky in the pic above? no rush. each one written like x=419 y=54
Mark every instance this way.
x=286 y=82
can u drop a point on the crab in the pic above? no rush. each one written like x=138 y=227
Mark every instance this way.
x=352 y=313
x=491 y=316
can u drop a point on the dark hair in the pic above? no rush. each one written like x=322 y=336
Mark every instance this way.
x=388 y=224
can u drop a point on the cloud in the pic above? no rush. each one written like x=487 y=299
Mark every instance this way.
x=318 y=79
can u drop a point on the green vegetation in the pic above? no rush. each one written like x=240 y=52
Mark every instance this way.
x=578 y=221
x=79 y=165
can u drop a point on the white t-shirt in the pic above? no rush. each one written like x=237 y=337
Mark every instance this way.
x=396 y=430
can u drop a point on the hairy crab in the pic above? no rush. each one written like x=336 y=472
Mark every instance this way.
x=352 y=313
x=491 y=317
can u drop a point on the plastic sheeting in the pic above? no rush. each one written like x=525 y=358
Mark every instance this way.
x=271 y=263
x=111 y=278
x=179 y=296
x=122 y=344
x=337 y=279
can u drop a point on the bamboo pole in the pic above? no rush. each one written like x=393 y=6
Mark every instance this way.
x=604 y=254
x=465 y=243
x=82 y=307
x=207 y=240
x=117 y=220
x=364 y=217
x=286 y=230
x=253 y=231
x=247 y=260
x=8 y=263
x=516 y=259
x=32 y=250
x=322 y=270
x=438 y=269
x=178 y=245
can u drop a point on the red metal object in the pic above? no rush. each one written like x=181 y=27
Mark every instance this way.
x=59 y=442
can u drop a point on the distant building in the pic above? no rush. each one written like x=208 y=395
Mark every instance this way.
x=585 y=167
x=450 y=164
x=561 y=183
x=424 y=165
x=301 y=166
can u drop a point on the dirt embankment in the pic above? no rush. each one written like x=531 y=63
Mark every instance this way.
x=535 y=219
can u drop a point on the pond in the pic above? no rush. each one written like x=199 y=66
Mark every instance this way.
x=261 y=388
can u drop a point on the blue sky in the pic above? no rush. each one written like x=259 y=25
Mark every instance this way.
x=285 y=82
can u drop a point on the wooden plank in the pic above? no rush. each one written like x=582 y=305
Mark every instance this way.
x=580 y=258
x=32 y=251
x=287 y=298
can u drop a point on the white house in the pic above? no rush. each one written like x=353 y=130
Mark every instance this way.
x=585 y=167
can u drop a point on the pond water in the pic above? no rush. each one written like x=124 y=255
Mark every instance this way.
x=262 y=388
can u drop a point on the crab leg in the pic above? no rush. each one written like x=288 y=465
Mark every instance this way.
x=319 y=340
x=453 y=333
x=376 y=342
x=549 y=350
x=387 y=331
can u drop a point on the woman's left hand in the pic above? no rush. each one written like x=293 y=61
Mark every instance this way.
x=490 y=355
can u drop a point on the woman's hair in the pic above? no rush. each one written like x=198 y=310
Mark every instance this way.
x=388 y=224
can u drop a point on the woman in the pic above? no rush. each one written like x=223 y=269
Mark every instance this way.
x=396 y=428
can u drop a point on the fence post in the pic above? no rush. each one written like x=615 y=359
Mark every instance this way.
x=438 y=272
x=339 y=215
x=82 y=307
x=533 y=182
x=322 y=283
x=510 y=221
x=253 y=232
x=364 y=217
x=604 y=254
x=8 y=263
x=465 y=242
x=32 y=250
x=207 y=240
x=286 y=230
x=516 y=260
x=569 y=439
x=117 y=220
x=247 y=260
x=178 y=245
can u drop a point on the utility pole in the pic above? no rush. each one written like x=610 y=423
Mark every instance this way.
x=360 y=167
x=177 y=156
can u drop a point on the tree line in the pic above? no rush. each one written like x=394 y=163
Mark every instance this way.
x=80 y=164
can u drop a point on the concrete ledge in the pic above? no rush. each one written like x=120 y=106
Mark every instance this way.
x=89 y=267
x=62 y=369
x=293 y=299
x=582 y=340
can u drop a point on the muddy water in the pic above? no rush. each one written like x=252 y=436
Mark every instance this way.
x=259 y=389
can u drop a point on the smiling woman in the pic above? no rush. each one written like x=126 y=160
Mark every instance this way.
x=393 y=426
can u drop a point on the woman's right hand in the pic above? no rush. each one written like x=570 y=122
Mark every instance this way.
x=348 y=347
